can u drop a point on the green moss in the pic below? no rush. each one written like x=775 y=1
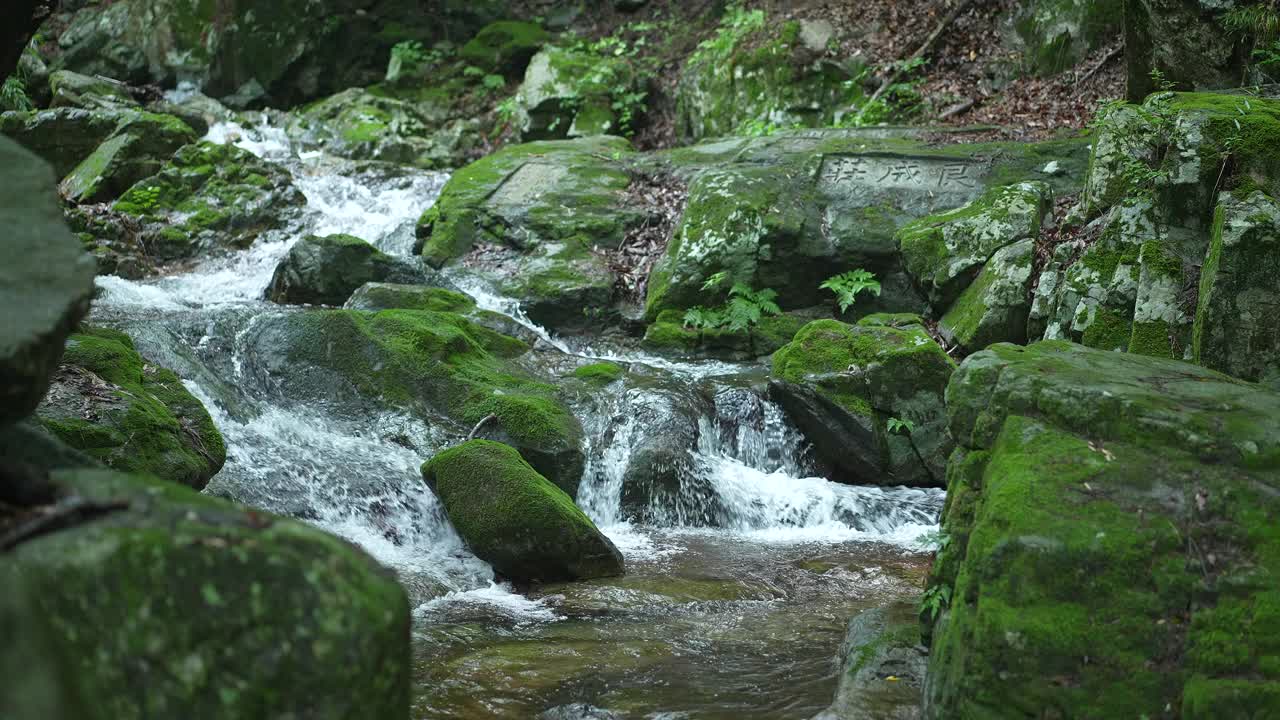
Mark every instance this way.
x=894 y=320
x=1110 y=330
x=511 y=516
x=504 y=45
x=144 y=421
x=1151 y=338
x=599 y=373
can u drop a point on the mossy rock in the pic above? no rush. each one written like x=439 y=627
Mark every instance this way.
x=62 y=137
x=1236 y=330
x=882 y=666
x=1090 y=514
x=397 y=296
x=562 y=95
x=170 y=602
x=89 y=93
x=515 y=519
x=945 y=252
x=505 y=46
x=46 y=281
x=669 y=335
x=994 y=308
x=1056 y=35
x=210 y=196
x=138 y=149
x=326 y=270
x=1186 y=43
x=599 y=374
x=440 y=365
x=130 y=415
x=844 y=385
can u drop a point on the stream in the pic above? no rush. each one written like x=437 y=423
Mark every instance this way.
x=736 y=596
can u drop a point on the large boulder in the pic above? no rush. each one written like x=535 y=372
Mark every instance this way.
x=140 y=146
x=45 y=281
x=194 y=597
x=757 y=74
x=515 y=519
x=1186 y=43
x=882 y=667
x=440 y=365
x=62 y=137
x=1236 y=329
x=209 y=197
x=129 y=414
x=869 y=398
x=791 y=210
x=71 y=89
x=568 y=93
x=996 y=306
x=531 y=217
x=1110 y=539
x=326 y=270
x=670 y=335
x=505 y=46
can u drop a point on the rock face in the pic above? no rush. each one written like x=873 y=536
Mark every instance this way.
x=1055 y=35
x=209 y=197
x=1187 y=42
x=433 y=363
x=546 y=206
x=1236 y=328
x=570 y=94
x=1132 y=281
x=869 y=398
x=882 y=667
x=995 y=307
x=669 y=335
x=206 y=594
x=1111 y=534
x=128 y=414
x=505 y=46
x=326 y=270
x=138 y=149
x=515 y=519
x=46 y=275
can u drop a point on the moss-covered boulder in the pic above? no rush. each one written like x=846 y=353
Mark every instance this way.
x=71 y=89
x=945 y=252
x=168 y=602
x=995 y=307
x=791 y=210
x=569 y=93
x=505 y=46
x=36 y=680
x=45 y=281
x=669 y=335
x=62 y=137
x=1236 y=329
x=440 y=365
x=1111 y=538
x=882 y=666
x=428 y=128
x=210 y=196
x=1187 y=43
x=547 y=207
x=140 y=146
x=326 y=270
x=758 y=73
x=515 y=519
x=128 y=414
x=396 y=296
x=869 y=398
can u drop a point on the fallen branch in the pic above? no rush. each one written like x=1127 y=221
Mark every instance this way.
x=1115 y=51
x=483 y=421
x=920 y=52
x=67 y=513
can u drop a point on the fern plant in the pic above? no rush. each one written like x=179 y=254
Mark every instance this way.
x=898 y=426
x=744 y=309
x=935 y=600
x=846 y=286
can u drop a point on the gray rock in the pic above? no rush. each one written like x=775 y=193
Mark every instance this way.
x=995 y=307
x=327 y=270
x=579 y=711
x=45 y=282
x=882 y=667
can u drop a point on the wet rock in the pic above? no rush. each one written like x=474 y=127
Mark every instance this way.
x=579 y=711
x=209 y=197
x=670 y=336
x=870 y=399
x=128 y=414
x=45 y=282
x=326 y=270
x=139 y=148
x=994 y=308
x=530 y=217
x=944 y=253
x=505 y=46
x=661 y=427
x=882 y=667
x=439 y=365
x=1132 y=499
x=199 y=578
x=1236 y=329
x=515 y=519
x=394 y=296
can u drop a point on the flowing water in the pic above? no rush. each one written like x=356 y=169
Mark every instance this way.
x=739 y=582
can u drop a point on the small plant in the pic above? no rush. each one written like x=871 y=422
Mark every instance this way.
x=935 y=600
x=744 y=309
x=898 y=426
x=409 y=52
x=846 y=286
x=493 y=83
x=13 y=95
x=756 y=127
x=935 y=540
x=715 y=280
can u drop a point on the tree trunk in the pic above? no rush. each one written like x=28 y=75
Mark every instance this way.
x=19 y=20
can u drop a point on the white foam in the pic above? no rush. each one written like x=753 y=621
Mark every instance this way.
x=495 y=597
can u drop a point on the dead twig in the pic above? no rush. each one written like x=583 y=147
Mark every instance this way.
x=68 y=512
x=483 y=421
x=920 y=52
